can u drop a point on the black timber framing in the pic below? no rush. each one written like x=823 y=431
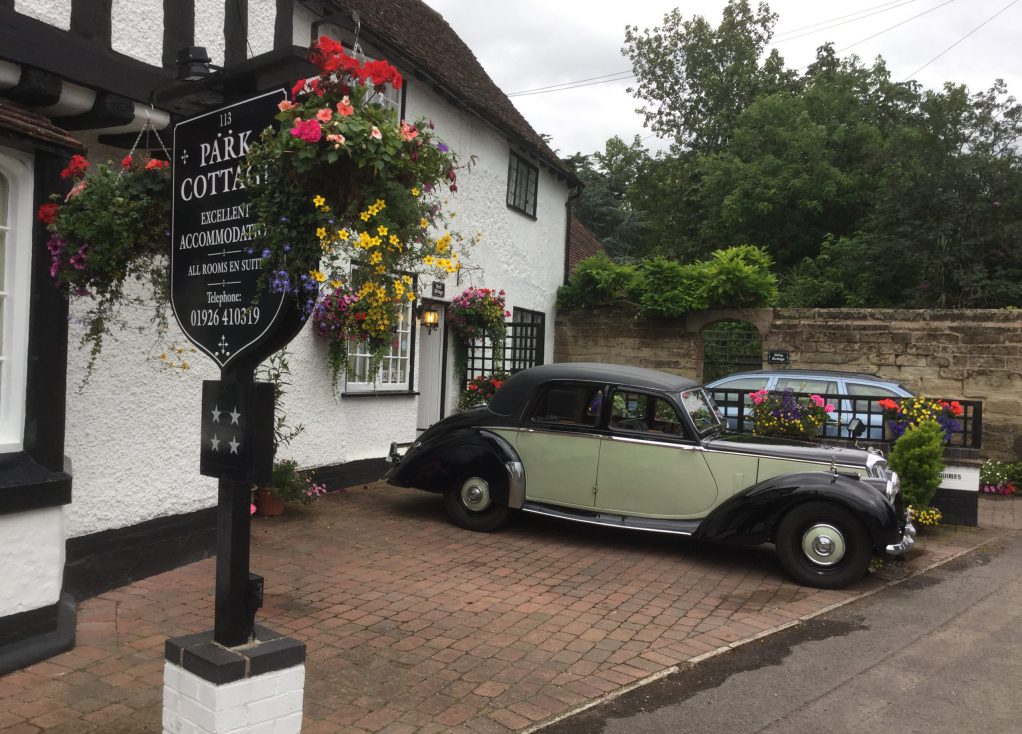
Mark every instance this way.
x=91 y=19
x=235 y=32
x=178 y=29
x=30 y=42
x=284 y=25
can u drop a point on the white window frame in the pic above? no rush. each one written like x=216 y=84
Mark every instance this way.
x=384 y=382
x=15 y=290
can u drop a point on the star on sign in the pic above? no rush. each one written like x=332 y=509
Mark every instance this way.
x=216 y=413
x=234 y=415
x=234 y=444
x=216 y=443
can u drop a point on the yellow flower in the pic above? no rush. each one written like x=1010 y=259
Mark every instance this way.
x=365 y=216
x=319 y=201
x=318 y=275
x=415 y=191
x=428 y=260
x=423 y=223
x=444 y=243
x=407 y=279
x=321 y=232
x=382 y=231
x=364 y=240
x=381 y=269
x=394 y=240
x=335 y=284
x=184 y=365
x=343 y=234
x=376 y=258
x=380 y=204
x=411 y=296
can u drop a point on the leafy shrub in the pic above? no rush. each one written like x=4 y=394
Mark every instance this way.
x=597 y=281
x=736 y=276
x=918 y=458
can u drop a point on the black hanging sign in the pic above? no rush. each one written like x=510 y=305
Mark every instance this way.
x=777 y=357
x=215 y=261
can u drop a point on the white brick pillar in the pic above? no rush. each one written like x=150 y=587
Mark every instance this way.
x=250 y=689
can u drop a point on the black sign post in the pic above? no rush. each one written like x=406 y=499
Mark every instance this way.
x=223 y=306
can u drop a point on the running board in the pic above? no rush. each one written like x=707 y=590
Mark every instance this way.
x=649 y=524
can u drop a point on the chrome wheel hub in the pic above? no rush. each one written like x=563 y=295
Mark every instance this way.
x=475 y=494
x=823 y=545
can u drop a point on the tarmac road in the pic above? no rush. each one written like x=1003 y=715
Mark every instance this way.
x=939 y=652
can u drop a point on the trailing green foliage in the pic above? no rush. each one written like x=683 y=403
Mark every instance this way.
x=918 y=458
x=736 y=276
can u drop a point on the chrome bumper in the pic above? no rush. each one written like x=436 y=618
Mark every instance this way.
x=908 y=539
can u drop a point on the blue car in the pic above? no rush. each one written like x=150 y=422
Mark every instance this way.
x=826 y=383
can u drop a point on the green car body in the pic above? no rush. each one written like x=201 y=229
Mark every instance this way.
x=645 y=450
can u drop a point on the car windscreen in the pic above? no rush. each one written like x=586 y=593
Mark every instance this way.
x=704 y=412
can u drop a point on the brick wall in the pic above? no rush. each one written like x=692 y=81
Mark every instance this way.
x=975 y=355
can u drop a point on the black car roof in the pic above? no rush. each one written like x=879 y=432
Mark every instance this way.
x=511 y=397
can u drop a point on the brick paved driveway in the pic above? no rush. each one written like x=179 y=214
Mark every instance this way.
x=414 y=625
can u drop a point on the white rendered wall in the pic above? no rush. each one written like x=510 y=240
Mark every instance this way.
x=262 y=17
x=136 y=29
x=55 y=12
x=32 y=559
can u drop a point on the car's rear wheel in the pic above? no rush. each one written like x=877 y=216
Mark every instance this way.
x=823 y=545
x=477 y=503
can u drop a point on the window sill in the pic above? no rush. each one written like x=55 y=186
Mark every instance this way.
x=524 y=213
x=380 y=394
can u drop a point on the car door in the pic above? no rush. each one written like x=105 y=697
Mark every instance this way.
x=649 y=464
x=560 y=442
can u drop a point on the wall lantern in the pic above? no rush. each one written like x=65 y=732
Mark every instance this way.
x=194 y=64
x=430 y=316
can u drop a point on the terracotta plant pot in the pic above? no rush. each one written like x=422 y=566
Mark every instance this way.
x=268 y=504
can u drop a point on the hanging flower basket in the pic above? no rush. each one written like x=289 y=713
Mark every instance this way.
x=111 y=229
x=344 y=182
x=478 y=313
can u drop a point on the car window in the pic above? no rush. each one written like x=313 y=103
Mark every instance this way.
x=702 y=410
x=570 y=404
x=807 y=384
x=743 y=383
x=870 y=390
x=635 y=411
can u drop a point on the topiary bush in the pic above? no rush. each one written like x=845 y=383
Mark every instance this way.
x=918 y=458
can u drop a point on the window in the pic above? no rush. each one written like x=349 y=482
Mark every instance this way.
x=807 y=384
x=570 y=404
x=15 y=279
x=395 y=368
x=522 y=185
x=634 y=411
x=525 y=340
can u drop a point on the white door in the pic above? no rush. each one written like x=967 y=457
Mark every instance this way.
x=431 y=373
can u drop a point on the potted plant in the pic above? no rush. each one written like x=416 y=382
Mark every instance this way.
x=287 y=485
x=478 y=313
x=917 y=457
x=480 y=389
x=343 y=182
x=786 y=415
x=900 y=415
x=111 y=229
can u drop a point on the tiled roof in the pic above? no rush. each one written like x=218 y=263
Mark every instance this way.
x=425 y=39
x=23 y=122
x=581 y=244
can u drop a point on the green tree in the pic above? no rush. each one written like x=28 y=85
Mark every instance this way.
x=696 y=79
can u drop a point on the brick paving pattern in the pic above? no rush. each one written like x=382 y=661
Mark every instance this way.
x=413 y=625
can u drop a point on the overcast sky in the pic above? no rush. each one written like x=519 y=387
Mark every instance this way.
x=530 y=44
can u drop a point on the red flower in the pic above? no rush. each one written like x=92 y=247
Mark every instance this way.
x=157 y=164
x=47 y=213
x=76 y=167
x=126 y=162
x=887 y=404
x=956 y=408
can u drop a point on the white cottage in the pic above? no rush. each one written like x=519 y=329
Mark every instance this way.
x=99 y=484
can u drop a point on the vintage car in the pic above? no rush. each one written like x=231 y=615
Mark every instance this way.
x=634 y=448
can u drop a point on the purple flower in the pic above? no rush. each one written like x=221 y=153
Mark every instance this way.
x=442 y=147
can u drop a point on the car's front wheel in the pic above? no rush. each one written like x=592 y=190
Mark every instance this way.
x=475 y=503
x=823 y=545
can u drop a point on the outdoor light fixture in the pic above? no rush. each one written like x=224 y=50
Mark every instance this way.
x=430 y=318
x=194 y=64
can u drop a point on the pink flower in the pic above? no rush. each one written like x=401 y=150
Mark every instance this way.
x=286 y=105
x=337 y=139
x=408 y=132
x=325 y=115
x=829 y=408
x=375 y=133
x=307 y=130
x=344 y=108
x=817 y=400
x=251 y=508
